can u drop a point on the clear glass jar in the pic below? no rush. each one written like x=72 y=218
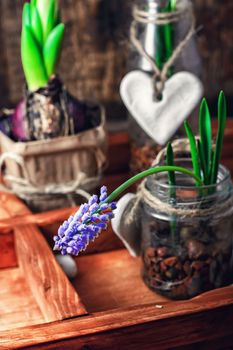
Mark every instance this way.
x=187 y=246
x=143 y=148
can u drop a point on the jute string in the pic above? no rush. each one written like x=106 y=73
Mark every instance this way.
x=145 y=196
x=27 y=190
x=160 y=76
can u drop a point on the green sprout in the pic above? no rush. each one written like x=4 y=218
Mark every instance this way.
x=205 y=160
x=41 y=41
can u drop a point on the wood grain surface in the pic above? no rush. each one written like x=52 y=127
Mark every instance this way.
x=7 y=248
x=18 y=307
x=51 y=289
x=49 y=286
x=117 y=282
x=146 y=327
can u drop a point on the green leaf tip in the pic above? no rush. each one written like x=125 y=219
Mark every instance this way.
x=52 y=48
x=50 y=20
x=26 y=17
x=222 y=117
x=173 y=5
x=193 y=149
x=205 y=138
x=32 y=61
x=37 y=26
x=170 y=162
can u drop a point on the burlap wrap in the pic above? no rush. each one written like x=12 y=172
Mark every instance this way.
x=48 y=173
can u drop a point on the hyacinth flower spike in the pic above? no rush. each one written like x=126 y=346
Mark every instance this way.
x=86 y=224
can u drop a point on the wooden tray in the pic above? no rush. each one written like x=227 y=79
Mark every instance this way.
x=107 y=306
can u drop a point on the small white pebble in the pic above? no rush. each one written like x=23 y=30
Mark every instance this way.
x=68 y=265
x=159 y=306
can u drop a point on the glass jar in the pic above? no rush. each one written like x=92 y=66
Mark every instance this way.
x=143 y=148
x=187 y=243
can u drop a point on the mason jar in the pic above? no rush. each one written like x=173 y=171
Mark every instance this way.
x=187 y=234
x=143 y=147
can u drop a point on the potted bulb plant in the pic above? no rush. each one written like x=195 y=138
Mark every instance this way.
x=56 y=144
x=182 y=212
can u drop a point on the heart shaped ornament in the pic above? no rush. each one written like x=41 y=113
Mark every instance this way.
x=160 y=119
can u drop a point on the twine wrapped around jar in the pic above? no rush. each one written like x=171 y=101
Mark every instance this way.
x=180 y=148
x=127 y=223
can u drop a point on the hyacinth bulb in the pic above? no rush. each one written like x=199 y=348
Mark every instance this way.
x=18 y=124
x=82 y=116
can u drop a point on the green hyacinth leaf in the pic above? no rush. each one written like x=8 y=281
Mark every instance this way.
x=52 y=48
x=26 y=15
x=32 y=61
x=222 y=117
x=193 y=149
x=170 y=161
x=47 y=11
x=202 y=162
x=50 y=23
x=172 y=5
x=43 y=8
x=36 y=26
x=57 y=18
x=205 y=138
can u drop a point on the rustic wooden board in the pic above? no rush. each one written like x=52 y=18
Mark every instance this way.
x=116 y=279
x=207 y=317
x=49 y=285
x=7 y=244
x=51 y=290
x=18 y=307
x=7 y=248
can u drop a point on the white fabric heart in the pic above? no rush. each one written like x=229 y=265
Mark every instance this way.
x=160 y=119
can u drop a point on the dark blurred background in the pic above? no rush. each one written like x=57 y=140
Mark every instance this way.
x=96 y=46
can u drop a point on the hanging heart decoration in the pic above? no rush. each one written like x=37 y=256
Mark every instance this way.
x=160 y=119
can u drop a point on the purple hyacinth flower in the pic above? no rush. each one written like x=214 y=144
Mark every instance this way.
x=85 y=225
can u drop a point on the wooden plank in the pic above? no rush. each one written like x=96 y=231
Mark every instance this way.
x=18 y=307
x=7 y=248
x=115 y=282
x=41 y=219
x=53 y=292
x=155 y=335
x=176 y=324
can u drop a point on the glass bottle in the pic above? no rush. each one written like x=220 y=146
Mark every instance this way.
x=188 y=249
x=143 y=148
